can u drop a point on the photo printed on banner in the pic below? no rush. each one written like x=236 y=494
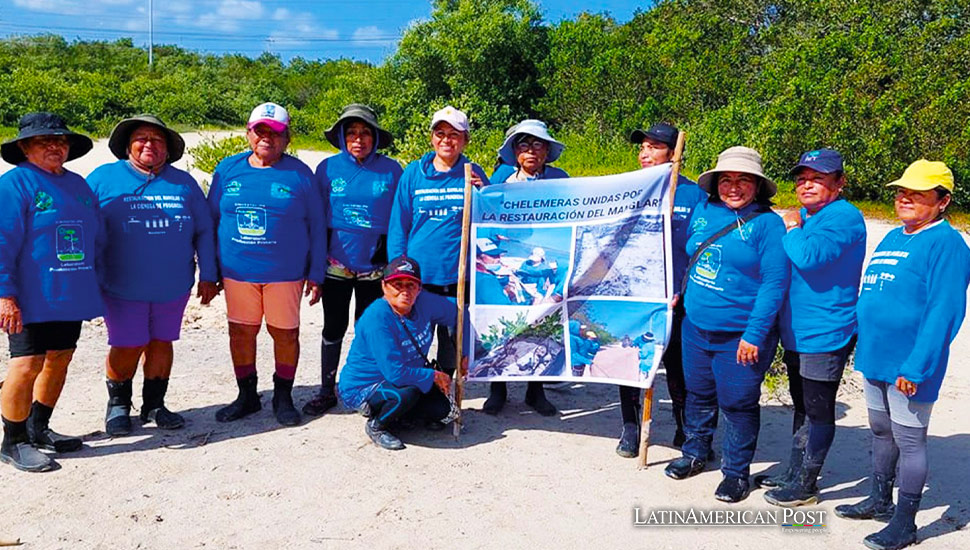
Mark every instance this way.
x=617 y=259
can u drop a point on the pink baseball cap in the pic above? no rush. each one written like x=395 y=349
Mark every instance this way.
x=457 y=119
x=270 y=114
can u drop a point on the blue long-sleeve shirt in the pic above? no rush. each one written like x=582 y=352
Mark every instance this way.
x=826 y=255
x=155 y=225
x=270 y=222
x=913 y=301
x=426 y=218
x=382 y=349
x=686 y=198
x=505 y=171
x=739 y=282
x=358 y=199
x=49 y=239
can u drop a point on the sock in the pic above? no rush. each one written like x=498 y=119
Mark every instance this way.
x=284 y=371
x=242 y=371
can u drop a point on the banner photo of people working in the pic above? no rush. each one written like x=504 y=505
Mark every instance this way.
x=571 y=279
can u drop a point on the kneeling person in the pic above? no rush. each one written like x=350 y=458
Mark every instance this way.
x=387 y=375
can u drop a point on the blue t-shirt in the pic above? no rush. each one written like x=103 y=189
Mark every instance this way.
x=505 y=171
x=426 y=218
x=739 y=281
x=913 y=300
x=826 y=255
x=154 y=227
x=358 y=201
x=49 y=237
x=270 y=222
x=382 y=349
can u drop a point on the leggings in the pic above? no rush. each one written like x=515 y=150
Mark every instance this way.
x=336 y=304
x=819 y=405
x=389 y=403
x=894 y=443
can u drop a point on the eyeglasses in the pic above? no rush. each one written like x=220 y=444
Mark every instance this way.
x=442 y=135
x=535 y=145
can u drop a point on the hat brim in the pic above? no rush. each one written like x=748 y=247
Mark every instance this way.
x=507 y=150
x=384 y=138
x=915 y=185
x=78 y=145
x=396 y=276
x=639 y=135
x=708 y=178
x=120 y=138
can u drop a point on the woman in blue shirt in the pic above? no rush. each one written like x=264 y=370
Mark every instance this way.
x=912 y=304
x=156 y=223
x=736 y=283
x=526 y=155
x=49 y=227
x=357 y=185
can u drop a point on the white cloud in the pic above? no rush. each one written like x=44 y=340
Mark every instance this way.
x=367 y=33
x=55 y=6
x=281 y=14
x=240 y=9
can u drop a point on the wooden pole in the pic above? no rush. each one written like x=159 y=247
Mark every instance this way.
x=648 y=394
x=466 y=217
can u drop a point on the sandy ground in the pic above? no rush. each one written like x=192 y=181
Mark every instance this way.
x=516 y=481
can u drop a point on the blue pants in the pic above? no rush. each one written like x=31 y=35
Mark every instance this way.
x=390 y=403
x=715 y=380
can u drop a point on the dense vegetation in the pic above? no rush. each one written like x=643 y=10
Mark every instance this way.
x=884 y=82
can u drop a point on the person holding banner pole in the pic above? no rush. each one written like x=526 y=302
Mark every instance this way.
x=426 y=215
x=826 y=243
x=735 y=284
x=657 y=146
x=526 y=153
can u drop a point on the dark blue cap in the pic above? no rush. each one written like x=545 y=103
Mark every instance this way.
x=662 y=132
x=825 y=161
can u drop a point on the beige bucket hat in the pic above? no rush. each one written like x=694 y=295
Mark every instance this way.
x=737 y=159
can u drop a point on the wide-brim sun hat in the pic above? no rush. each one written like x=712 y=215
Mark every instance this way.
x=120 y=137
x=924 y=175
x=44 y=124
x=531 y=127
x=362 y=113
x=737 y=159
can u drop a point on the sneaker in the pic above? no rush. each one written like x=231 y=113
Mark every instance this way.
x=685 y=467
x=732 y=489
x=381 y=437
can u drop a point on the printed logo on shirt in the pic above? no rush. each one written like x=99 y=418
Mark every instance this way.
x=83 y=199
x=251 y=221
x=709 y=264
x=43 y=201
x=699 y=224
x=233 y=188
x=280 y=191
x=356 y=216
x=70 y=242
x=380 y=187
x=338 y=186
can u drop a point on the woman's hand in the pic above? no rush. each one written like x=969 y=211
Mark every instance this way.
x=476 y=180
x=10 y=319
x=312 y=290
x=443 y=381
x=674 y=301
x=906 y=387
x=207 y=290
x=747 y=353
x=793 y=219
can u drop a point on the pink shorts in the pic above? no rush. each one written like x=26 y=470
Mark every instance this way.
x=133 y=323
x=247 y=303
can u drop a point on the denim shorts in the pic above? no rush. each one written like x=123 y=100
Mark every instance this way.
x=883 y=396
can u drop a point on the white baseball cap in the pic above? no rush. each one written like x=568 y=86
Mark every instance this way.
x=270 y=114
x=457 y=119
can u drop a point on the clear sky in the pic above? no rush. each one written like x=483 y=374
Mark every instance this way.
x=366 y=30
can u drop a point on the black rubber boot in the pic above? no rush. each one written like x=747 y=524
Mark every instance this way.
x=327 y=398
x=381 y=437
x=286 y=413
x=901 y=531
x=117 y=420
x=799 y=441
x=246 y=403
x=42 y=436
x=629 y=446
x=153 y=405
x=535 y=397
x=498 y=394
x=802 y=490
x=17 y=451
x=878 y=505
x=679 y=437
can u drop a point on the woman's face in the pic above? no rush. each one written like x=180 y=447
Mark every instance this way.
x=266 y=143
x=918 y=208
x=737 y=189
x=448 y=142
x=47 y=152
x=360 y=140
x=531 y=153
x=147 y=148
x=401 y=294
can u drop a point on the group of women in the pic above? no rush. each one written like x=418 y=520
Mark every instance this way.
x=125 y=244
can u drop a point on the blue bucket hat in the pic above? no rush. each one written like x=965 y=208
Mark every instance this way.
x=531 y=127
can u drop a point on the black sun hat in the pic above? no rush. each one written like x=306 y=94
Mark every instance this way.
x=44 y=124
x=363 y=113
x=121 y=136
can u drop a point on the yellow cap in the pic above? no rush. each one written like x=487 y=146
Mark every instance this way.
x=924 y=175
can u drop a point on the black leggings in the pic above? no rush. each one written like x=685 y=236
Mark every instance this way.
x=894 y=443
x=336 y=304
x=389 y=403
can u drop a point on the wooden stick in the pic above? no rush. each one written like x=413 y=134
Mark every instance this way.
x=466 y=218
x=677 y=160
